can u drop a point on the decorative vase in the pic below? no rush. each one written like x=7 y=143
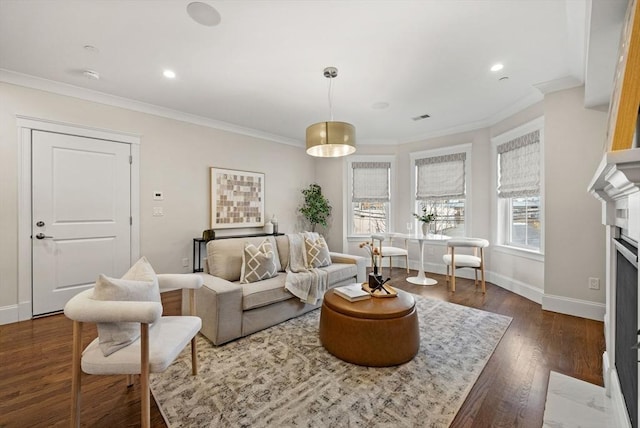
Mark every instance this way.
x=375 y=270
x=425 y=228
x=374 y=280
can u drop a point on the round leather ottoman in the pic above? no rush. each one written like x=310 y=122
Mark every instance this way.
x=376 y=332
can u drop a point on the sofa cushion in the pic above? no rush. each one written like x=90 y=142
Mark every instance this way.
x=258 y=263
x=282 y=243
x=317 y=252
x=338 y=272
x=224 y=256
x=265 y=292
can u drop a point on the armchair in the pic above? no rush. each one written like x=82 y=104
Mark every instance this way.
x=153 y=351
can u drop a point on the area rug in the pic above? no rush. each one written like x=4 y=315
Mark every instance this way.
x=283 y=377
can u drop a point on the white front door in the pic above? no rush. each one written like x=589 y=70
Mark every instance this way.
x=81 y=210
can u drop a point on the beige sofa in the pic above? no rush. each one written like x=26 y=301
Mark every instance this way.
x=230 y=310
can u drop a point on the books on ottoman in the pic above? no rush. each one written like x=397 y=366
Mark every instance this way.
x=352 y=292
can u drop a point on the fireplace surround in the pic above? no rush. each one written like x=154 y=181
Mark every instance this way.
x=617 y=185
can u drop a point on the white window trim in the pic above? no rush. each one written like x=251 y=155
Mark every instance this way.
x=498 y=221
x=466 y=148
x=348 y=189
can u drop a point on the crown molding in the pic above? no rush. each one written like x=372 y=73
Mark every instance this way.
x=555 y=85
x=534 y=96
x=66 y=89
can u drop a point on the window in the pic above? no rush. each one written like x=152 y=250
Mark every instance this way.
x=518 y=156
x=370 y=195
x=440 y=183
x=524 y=222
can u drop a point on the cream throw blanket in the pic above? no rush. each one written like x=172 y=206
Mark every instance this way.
x=308 y=284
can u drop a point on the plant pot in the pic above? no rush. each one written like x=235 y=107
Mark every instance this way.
x=374 y=280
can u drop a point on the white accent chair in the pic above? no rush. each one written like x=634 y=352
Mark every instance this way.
x=390 y=251
x=455 y=260
x=153 y=351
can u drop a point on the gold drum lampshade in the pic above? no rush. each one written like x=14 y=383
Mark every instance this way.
x=331 y=139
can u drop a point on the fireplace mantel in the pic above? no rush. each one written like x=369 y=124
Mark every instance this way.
x=616 y=184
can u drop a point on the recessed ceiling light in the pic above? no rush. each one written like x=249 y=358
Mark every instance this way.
x=169 y=74
x=203 y=13
x=497 y=67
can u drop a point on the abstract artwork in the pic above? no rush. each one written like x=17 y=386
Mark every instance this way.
x=237 y=199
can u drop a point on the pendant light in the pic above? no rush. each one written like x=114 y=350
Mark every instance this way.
x=331 y=139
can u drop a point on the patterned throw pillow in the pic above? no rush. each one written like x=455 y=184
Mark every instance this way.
x=139 y=284
x=317 y=252
x=258 y=263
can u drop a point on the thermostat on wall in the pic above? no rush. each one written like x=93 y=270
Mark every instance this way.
x=157 y=196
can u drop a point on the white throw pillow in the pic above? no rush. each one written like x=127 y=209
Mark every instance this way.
x=139 y=284
x=258 y=263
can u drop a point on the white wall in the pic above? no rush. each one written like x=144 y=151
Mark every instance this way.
x=175 y=158
x=574 y=235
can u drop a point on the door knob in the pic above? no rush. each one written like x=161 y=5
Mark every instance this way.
x=42 y=236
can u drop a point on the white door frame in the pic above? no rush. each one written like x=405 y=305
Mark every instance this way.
x=25 y=126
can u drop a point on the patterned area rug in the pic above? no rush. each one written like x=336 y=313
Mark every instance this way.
x=283 y=377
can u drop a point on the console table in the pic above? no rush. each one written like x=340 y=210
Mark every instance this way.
x=199 y=243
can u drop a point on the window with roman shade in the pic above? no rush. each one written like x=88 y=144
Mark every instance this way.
x=519 y=170
x=441 y=177
x=441 y=185
x=371 y=181
x=519 y=210
x=369 y=197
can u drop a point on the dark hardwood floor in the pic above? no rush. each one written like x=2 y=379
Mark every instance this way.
x=35 y=365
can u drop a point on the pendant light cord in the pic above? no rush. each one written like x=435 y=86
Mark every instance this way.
x=330 y=104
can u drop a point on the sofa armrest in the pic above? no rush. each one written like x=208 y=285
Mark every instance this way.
x=220 y=308
x=360 y=262
x=171 y=281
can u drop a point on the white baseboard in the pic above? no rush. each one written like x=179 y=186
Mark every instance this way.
x=9 y=314
x=576 y=307
x=612 y=385
x=518 y=287
x=15 y=313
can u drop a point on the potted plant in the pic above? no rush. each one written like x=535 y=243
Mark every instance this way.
x=316 y=207
x=425 y=219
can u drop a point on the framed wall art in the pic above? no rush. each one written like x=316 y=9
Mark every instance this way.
x=237 y=199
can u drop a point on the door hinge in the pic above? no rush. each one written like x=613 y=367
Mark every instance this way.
x=130 y=221
x=130 y=160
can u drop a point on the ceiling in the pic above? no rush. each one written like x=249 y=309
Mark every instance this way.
x=259 y=71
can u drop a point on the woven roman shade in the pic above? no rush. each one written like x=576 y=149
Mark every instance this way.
x=370 y=181
x=441 y=177
x=519 y=173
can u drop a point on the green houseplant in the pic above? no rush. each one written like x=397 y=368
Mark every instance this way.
x=316 y=207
